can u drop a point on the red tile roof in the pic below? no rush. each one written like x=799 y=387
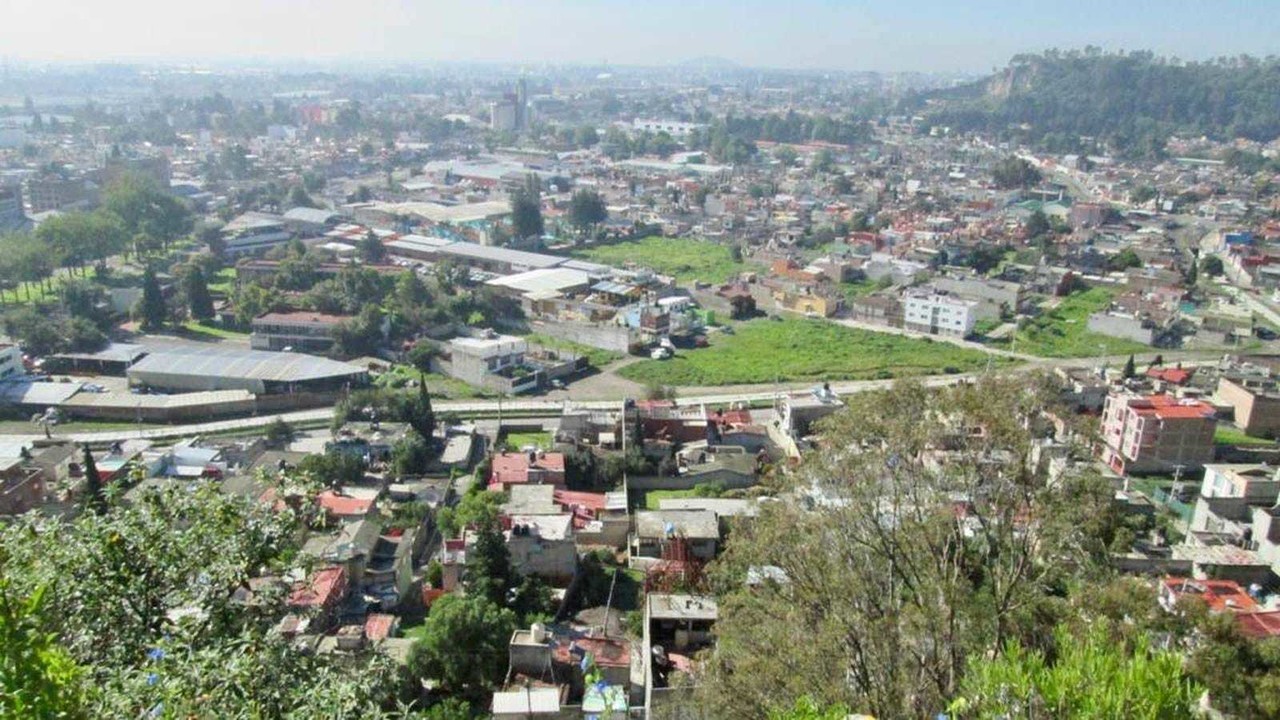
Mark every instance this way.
x=344 y=505
x=1167 y=407
x=513 y=468
x=1177 y=376
x=379 y=625
x=1219 y=595
x=324 y=590
x=1260 y=624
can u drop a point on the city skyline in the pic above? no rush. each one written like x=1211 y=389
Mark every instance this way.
x=919 y=35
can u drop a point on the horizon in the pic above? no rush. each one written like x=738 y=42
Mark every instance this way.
x=916 y=36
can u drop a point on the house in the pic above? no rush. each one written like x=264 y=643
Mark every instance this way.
x=22 y=487
x=491 y=360
x=561 y=656
x=310 y=332
x=654 y=528
x=10 y=361
x=1223 y=596
x=348 y=504
x=1156 y=433
x=1256 y=402
x=938 y=314
x=389 y=572
x=676 y=628
x=350 y=548
x=1237 y=507
x=542 y=545
x=535 y=467
x=321 y=595
x=254 y=232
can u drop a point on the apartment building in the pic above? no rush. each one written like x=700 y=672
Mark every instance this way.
x=1156 y=433
x=939 y=314
x=310 y=332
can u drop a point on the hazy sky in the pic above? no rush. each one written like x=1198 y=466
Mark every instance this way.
x=968 y=35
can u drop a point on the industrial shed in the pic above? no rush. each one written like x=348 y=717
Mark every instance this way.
x=259 y=372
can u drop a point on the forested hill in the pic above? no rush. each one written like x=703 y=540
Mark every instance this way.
x=1130 y=102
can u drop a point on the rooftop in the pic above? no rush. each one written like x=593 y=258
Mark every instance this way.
x=663 y=606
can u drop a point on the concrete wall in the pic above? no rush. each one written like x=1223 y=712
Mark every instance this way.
x=606 y=337
x=1121 y=326
x=1256 y=414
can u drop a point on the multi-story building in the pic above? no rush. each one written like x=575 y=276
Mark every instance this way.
x=44 y=194
x=12 y=218
x=478 y=360
x=1256 y=402
x=939 y=314
x=310 y=332
x=1156 y=433
x=10 y=361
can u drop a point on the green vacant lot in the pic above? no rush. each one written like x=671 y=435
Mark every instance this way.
x=1229 y=435
x=685 y=259
x=595 y=356
x=1064 y=330
x=762 y=351
x=518 y=440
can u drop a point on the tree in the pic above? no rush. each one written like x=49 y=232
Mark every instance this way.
x=197 y=291
x=1212 y=266
x=489 y=571
x=1193 y=274
x=279 y=433
x=151 y=308
x=1242 y=674
x=298 y=197
x=1014 y=172
x=422 y=353
x=145 y=208
x=1038 y=224
x=38 y=679
x=526 y=209
x=785 y=155
x=898 y=595
x=1130 y=370
x=334 y=470
x=744 y=307
x=419 y=413
x=371 y=248
x=411 y=456
x=95 y=498
x=463 y=645
x=1124 y=260
x=360 y=335
x=587 y=210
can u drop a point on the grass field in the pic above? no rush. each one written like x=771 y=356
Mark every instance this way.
x=764 y=351
x=686 y=259
x=211 y=332
x=440 y=386
x=595 y=356
x=1064 y=330
x=223 y=280
x=518 y=440
x=25 y=427
x=1229 y=435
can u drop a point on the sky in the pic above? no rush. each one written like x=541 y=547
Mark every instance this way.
x=905 y=35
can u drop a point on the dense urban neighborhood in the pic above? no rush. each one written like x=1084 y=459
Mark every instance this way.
x=696 y=392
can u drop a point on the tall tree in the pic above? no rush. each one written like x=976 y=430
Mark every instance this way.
x=587 y=210
x=489 y=571
x=95 y=498
x=197 y=291
x=371 y=248
x=526 y=209
x=147 y=209
x=419 y=413
x=152 y=309
x=1130 y=368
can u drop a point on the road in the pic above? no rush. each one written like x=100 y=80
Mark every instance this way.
x=554 y=407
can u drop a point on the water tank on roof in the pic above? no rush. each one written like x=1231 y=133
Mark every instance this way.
x=538 y=632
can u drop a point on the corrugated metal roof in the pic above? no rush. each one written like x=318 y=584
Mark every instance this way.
x=252 y=364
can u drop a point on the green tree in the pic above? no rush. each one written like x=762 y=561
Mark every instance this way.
x=1014 y=172
x=526 y=209
x=1212 y=266
x=1091 y=676
x=1242 y=674
x=463 y=645
x=1038 y=224
x=279 y=433
x=587 y=210
x=1130 y=369
x=298 y=197
x=411 y=456
x=371 y=248
x=38 y=679
x=334 y=470
x=95 y=494
x=145 y=208
x=1124 y=260
x=489 y=571
x=419 y=413
x=422 y=353
x=196 y=288
x=151 y=308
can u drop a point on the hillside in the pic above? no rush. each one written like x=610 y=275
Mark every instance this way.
x=1128 y=102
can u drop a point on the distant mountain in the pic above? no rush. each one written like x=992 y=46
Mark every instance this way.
x=1128 y=102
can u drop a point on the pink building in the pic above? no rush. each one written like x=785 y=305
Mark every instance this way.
x=1156 y=433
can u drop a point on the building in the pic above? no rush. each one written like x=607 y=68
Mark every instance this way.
x=1256 y=403
x=502 y=115
x=1156 y=433
x=939 y=314
x=12 y=217
x=526 y=468
x=10 y=361
x=674 y=128
x=295 y=331
x=474 y=360
x=1236 y=508
x=55 y=193
x=255 y=232
x=22 y=486
x=543 y=545
x=188 y=369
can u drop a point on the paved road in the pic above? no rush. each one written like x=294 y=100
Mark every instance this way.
x=553 y=407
